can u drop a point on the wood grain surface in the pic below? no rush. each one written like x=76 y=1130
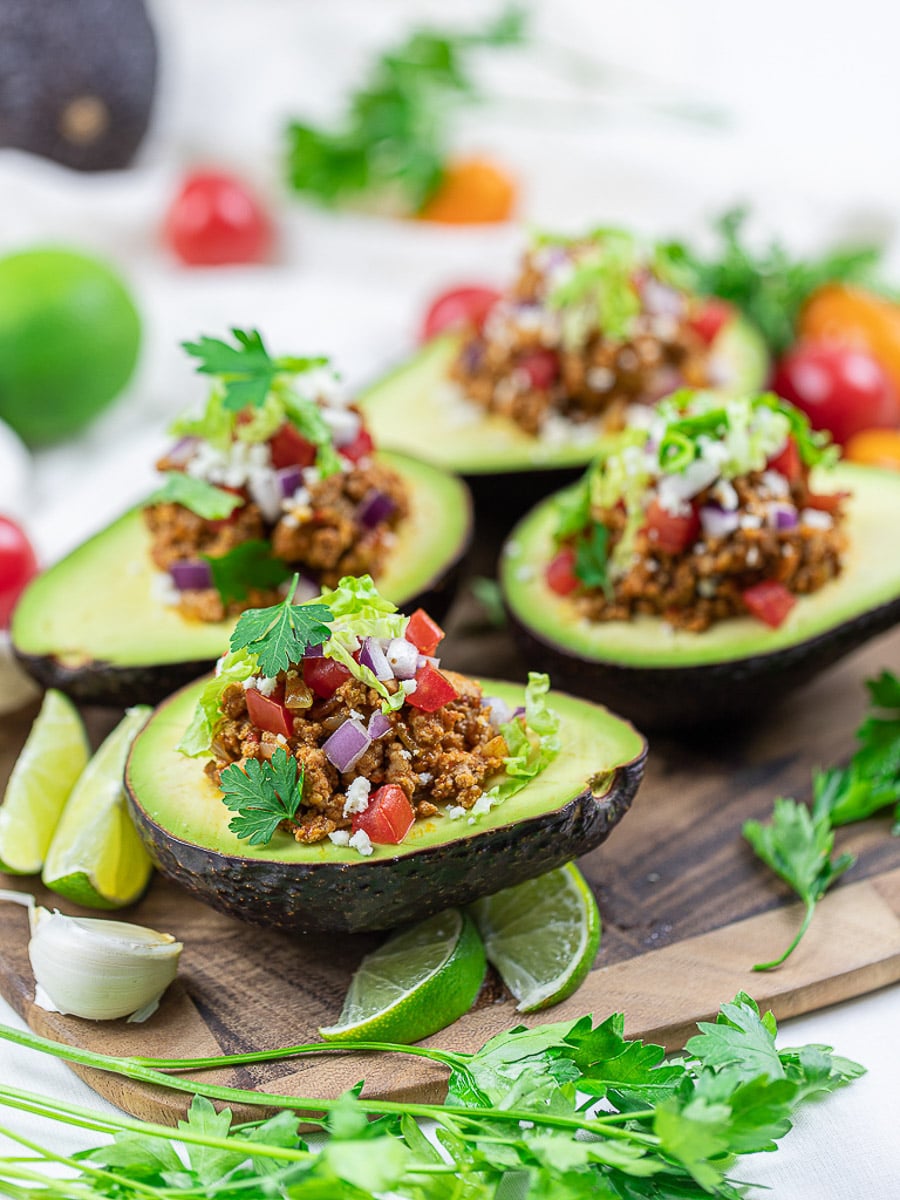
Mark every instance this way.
x=687 y=910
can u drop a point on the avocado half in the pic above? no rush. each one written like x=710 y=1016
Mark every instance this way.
x=567 y=810
x=669 y=678
x=419 y=410
x=92 y=625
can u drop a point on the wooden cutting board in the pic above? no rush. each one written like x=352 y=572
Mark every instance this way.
x=687 y=910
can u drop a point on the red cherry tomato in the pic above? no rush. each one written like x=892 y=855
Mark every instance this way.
x=541 y=367
x=560 y=573
x=423 y=632
x=840 y=388
x=671 y=532
x=709 y=320
x=769 y=601
x=388 y=818
x=324 y=676
x=215 y=220
x=458 y=308
x=289 y=448
x=18 y=565
x=269 y=713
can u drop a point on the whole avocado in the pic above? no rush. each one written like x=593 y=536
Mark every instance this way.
x=77 y=79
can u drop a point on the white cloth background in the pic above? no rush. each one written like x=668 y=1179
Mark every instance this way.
x=808 y=101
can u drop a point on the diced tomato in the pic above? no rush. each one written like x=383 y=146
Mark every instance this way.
x=433 y=690
x=324 y=676
x=289 y=448
x=560 y=573
x=787 y=462
x=769 y=601
x=361 y=446
x=671 y=532
x=423 y=632
x=269 y=713
x=388 y=818
x=828 y=502
x=541 y=367
x=710 y=319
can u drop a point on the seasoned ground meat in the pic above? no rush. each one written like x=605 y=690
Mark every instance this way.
x=436 y=758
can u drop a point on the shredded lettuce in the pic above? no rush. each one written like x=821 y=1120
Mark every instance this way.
x=360 y=611
x=235 y=668
x=532 y=746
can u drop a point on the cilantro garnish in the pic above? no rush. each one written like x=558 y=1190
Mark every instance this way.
x=392 y=141
x=246 y=370
x=263 y=794
x=204 y=499
x=248 y=565
x=592 y=557
x=281 y=635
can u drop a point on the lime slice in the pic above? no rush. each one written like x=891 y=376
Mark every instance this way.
x=418 y=982
x=542 y=936
x=45 y=772
x=96 y=857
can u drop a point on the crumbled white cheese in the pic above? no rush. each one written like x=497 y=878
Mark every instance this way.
x=751 y=521
x=600 y=379
x=724 y=494
x=455 y=811
x=357 y=796
x=266 y=686
x=816 y=519
x=163 y=590
x=361 y=842
x=752 y=558
x=280 y=739
x=408 y=686
x=403 y=752
x=340 y=837
x=776 y=483
x=357 y=716
x=482 y=805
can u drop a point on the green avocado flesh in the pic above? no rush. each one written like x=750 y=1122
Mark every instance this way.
x=870 y=579
x=98 y=605
x=565 y=811
x=419 y=410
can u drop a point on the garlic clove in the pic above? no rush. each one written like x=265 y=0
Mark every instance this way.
x=99 y=969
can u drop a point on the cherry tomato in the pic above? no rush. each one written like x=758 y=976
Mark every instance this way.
x=269 y=713
x=215 y=220
x=710 y=318
x=840 y=388
x=423 y=632
x=852 y=316
x=473 y=191
x=671 y=532
x=875 y=448
x=18 y=565
x=458 y=308
x=560 y=573
x=433 y=690
x=541 y=367
x=388 y=818
x=769 y=601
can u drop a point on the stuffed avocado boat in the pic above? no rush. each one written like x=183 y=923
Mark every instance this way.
x=333 y=775
x=276 y=475
x=592 y=327
x=711 y=558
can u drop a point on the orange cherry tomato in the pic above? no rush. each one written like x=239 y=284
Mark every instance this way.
x=473 y=191
x=875 y=448
x=855 y=317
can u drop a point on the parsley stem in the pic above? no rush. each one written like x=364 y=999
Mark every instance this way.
x=226 y=1060
x=776 y=962
x=86 y=1168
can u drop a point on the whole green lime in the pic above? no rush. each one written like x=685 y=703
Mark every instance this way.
x=69 y=340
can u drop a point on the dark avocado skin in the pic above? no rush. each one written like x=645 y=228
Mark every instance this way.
x=101 y=54
x=366 y=896
x=700 y=696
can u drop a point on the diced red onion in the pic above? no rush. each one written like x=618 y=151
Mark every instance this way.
x=315 y=651
x=347 y=745
x=379 y=725
x=519 y=711
x=374 y=507
x=717 y=522
x=660 y=299
x=403 y=658
x=192 y=574
x=290 y=478
x=372 y=656
x=783 y=516
x=182 y=452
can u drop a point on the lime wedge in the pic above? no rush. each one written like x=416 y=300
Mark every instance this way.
x=42 y=779
x=542 y=936
x=96 y=857
x=418 y=982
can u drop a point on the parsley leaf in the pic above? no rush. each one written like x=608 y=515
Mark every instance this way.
x=246 y=370
x=248 y=565
x=797 y=847
x=202 y=498
x=739 y=1039
x=592 y=558
x=263 y=794
x=281 y=635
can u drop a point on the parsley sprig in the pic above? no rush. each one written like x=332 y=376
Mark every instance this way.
x=798 y=844
x=392 y=143
x=246 y=370
x=281 y=635
x=667 y=1128
x=247 y=565
x=263 y=794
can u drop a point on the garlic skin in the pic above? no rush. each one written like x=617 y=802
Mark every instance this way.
x=99 y=969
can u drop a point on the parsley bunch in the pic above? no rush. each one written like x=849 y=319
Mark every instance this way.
x=798 y=844
x=514 y=1114
x=392 y=142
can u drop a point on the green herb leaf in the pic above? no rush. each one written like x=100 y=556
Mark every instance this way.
x=740 y=1039
x=248 y=565
x=592 y=557
x=202 y=498
x=263 y=794
x=798 y=848
x=281 y=635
